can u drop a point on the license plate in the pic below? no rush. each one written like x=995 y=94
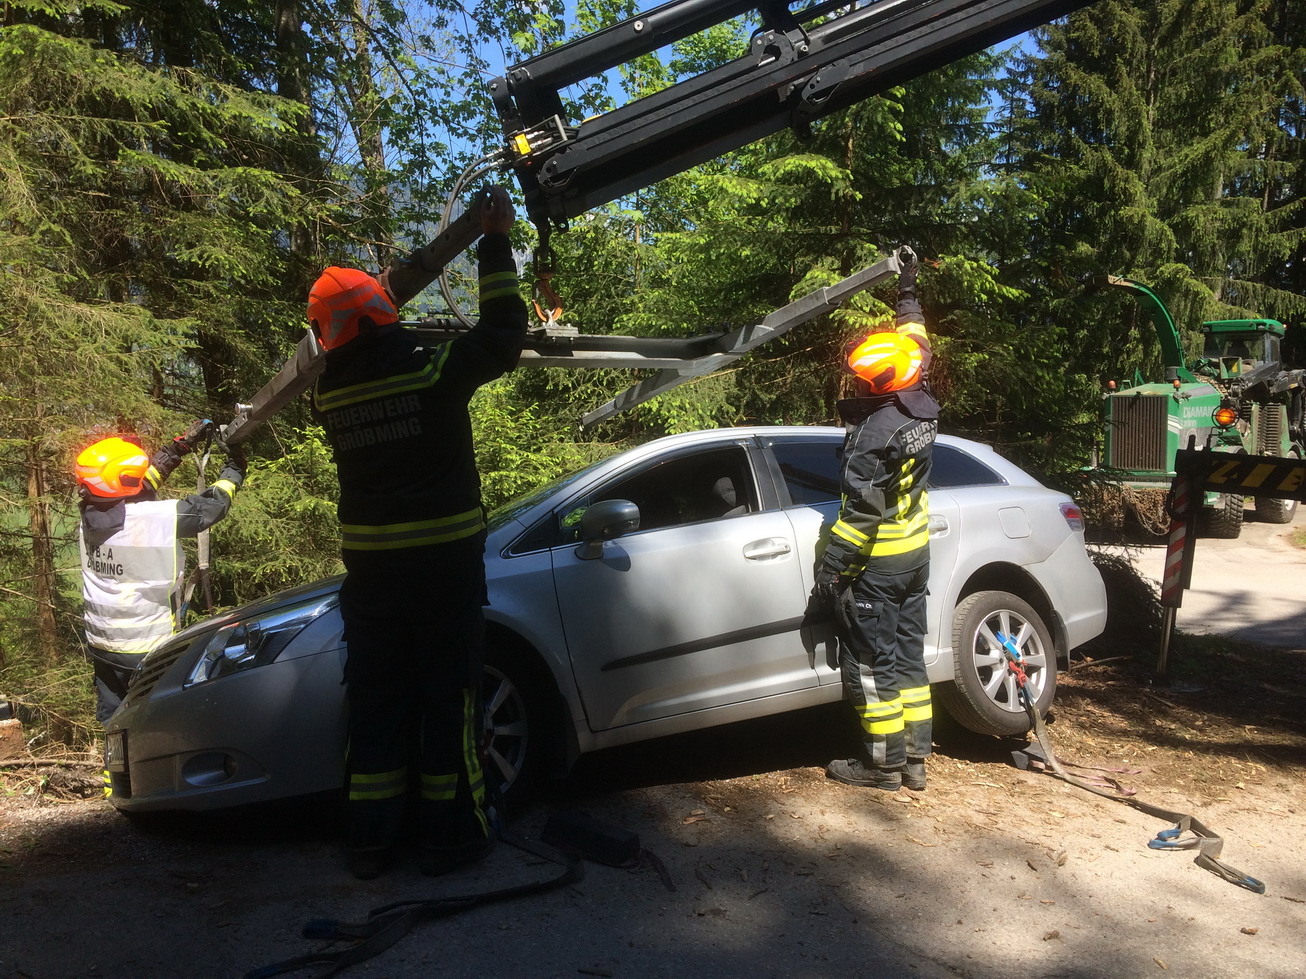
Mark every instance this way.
x=115 y=751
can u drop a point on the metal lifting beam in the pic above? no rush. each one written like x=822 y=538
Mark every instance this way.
x=677 y=359
x=738 y=342
x=801 y=67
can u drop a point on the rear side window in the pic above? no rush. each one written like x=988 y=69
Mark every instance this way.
x=810 y=469
x=953 y=467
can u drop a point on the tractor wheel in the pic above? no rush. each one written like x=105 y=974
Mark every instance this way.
x=1224 y=521
x=1277 y=511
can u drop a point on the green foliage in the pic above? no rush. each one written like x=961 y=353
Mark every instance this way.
x=517 y=449
x=282 y=529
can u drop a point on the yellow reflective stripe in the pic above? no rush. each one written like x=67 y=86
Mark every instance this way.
x=227 y=486
x=380 y=785
x=902 y=528
x=152 y=477
x=882 y=716
x=386 y=386
x=881 y=708
x=413 y=533
x=472 y=759
x=439 y=788
x=913 y=330
x=891 y=725
x=916 y=704
x=913 y=543
x=108 y=784
x=849 y=533
x=498 y=284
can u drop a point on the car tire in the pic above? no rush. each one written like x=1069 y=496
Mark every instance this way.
x=984 y=696
x=1224 y=521
x=1269 y=510
x=515 y=725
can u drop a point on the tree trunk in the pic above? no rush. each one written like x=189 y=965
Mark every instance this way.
x=291 y=72
x=43 y=585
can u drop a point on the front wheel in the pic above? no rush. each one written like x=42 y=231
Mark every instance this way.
x=1224 y=521
x=984 y=696
x=514 y=727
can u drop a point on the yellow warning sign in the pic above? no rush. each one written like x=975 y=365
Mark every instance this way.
x=1220 y=472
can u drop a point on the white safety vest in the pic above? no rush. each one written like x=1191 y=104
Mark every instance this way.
x=130 y=582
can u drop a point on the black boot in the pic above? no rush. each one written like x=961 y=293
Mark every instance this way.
x=854 y=772
x=914 y=775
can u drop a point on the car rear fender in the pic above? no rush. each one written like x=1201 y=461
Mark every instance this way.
x=1004 y=576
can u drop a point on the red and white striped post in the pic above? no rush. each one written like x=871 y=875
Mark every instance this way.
x=1178 y=572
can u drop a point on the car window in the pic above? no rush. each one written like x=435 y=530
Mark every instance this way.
x=810 y=469
x=681 y=490
x=955 y=467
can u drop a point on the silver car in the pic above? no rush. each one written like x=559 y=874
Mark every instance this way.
x=661 y=590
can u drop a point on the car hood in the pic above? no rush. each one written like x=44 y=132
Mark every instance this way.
x=291 y=596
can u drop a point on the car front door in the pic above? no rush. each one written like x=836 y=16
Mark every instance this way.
x=699 y=608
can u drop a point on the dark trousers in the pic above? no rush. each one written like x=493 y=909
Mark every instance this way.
x=882 y=659
x=113 y=671
x=415 y=635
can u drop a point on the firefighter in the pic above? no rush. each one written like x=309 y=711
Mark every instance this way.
x=412 y=539
x=130 y=541
x=875 y=569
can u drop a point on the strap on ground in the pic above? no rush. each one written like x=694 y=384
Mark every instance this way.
x=387 y=924
x=1207 y=844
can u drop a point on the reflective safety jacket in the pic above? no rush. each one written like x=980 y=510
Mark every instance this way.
x=132 y=561
x=395 y=414
x=884 y=520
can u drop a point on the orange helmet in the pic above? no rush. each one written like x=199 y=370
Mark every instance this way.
x=888 y=362
x=112 y=468
x=340 y=298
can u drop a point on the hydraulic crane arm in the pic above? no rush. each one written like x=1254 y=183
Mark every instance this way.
x=802 y=65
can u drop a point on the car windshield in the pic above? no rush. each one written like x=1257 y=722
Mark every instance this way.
x=510 y=511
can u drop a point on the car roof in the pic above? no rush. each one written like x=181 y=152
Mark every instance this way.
x=1012 y=473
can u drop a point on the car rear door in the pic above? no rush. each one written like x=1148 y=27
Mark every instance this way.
x=808 y=467
x=699 y=608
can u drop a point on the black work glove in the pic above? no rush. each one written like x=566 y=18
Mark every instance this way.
x=830 y=584
x=190 y=439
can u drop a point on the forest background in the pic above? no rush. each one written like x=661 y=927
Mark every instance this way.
x=173 y=176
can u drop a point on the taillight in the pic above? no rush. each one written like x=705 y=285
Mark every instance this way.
x=1074 y=516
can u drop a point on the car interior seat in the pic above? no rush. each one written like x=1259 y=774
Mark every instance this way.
x=726 y=498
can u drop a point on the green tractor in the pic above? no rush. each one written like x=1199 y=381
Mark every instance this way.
x=1236 y=397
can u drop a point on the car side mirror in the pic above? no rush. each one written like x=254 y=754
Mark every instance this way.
x=604 y=521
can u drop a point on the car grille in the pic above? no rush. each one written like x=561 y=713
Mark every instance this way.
x=145 y=678
x=1137 y=427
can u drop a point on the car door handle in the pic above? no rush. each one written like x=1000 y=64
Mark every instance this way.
x=938 y=525
x=767 y=547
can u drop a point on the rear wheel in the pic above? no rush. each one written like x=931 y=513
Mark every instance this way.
x=1277 y=511
x=1224 y=521
x=985 y=695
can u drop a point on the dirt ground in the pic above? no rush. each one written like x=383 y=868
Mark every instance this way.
x=776 y=871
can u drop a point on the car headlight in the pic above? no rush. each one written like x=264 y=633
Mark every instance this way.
x=253 y=642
